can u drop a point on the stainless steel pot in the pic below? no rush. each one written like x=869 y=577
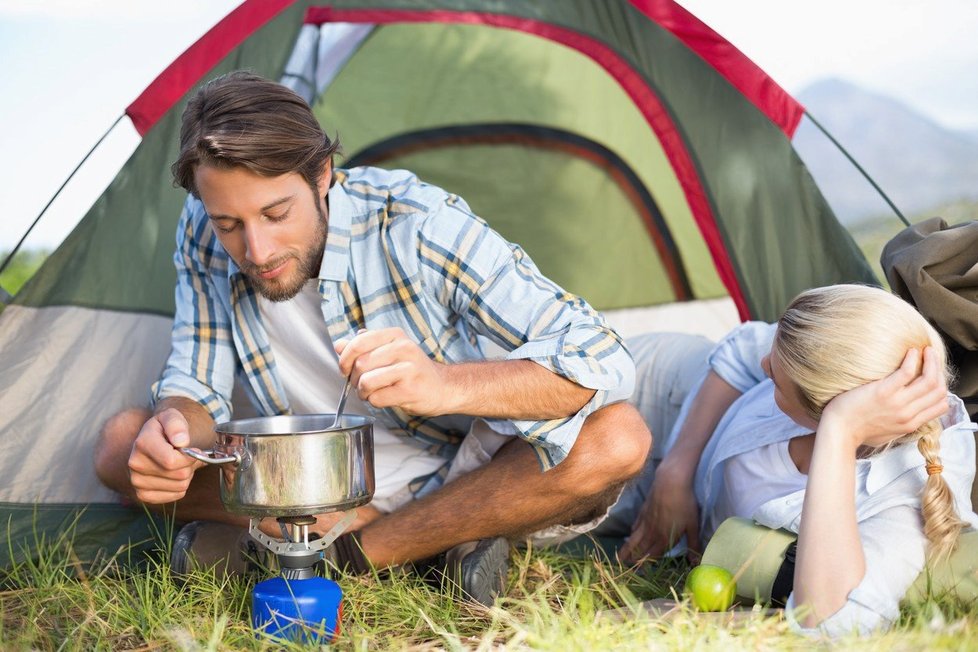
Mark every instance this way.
x=293 y=465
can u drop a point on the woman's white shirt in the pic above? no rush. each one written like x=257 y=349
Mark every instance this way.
x=755 y=478
x=888 y=485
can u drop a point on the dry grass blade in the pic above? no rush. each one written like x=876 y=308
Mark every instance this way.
x=552 y=602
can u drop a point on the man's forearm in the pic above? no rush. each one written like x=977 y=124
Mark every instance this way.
x=199 y=419
x=512 y=389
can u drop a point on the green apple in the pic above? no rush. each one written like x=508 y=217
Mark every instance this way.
x=711 y=588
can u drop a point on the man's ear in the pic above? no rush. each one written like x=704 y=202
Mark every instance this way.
x=325 y=179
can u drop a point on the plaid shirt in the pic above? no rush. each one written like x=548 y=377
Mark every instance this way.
x=398 y=253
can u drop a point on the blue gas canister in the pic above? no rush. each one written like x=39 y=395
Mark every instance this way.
x=307 y=610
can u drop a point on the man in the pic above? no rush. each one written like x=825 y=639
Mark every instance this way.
x=300 y=276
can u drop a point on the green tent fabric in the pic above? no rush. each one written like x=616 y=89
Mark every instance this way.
x=641 y=161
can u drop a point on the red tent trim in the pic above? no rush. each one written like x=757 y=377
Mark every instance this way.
x=197 y=60
x=762 y=91
x=631 y=82
x=181 y=75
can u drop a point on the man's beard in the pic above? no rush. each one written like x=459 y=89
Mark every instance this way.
x=307 y=266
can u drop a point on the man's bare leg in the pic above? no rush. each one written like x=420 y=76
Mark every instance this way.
x=510 y=495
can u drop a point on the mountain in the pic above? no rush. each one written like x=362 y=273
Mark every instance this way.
x=917 y=162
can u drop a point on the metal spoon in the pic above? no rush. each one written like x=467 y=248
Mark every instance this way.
x=342 y=404
x=346 y=392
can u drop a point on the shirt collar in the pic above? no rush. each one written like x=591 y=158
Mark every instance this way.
x=754 y=420
x=336 y=256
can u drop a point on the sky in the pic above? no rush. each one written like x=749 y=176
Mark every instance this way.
x=72 y=66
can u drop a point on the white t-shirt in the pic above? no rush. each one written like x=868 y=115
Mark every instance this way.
x=753 y=478
x=309 y=370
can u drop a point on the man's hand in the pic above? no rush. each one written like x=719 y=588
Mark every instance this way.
x=670 y=511
x=878 y=412
x=159 y=472
x=389 y=370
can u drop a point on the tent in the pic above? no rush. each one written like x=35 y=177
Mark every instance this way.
x=641 y=160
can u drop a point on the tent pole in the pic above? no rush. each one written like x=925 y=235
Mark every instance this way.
x=858 y=167
x=37 y=219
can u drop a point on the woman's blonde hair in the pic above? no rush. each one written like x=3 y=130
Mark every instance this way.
x=837 y=338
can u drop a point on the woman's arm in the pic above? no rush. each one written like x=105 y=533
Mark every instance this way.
x=670 y=509
x=894 y=547
x=831 y=560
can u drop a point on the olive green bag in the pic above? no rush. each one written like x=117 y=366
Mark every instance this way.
x=755 y=554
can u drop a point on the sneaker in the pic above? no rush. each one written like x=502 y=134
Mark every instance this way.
x=479 y=568
x=229 y=549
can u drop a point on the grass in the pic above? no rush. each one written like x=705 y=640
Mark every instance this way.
x=21 y=268
x=54 y=602
x=553 y=602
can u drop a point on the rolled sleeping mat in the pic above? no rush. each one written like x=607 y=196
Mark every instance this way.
x=755 y=556
x=957 y=577
x=752 y=553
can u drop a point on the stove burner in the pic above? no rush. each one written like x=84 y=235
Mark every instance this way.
x=298 y=603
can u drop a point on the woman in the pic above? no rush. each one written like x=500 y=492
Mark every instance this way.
x=807 y=425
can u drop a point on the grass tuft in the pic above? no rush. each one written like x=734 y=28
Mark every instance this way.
x=553 y=601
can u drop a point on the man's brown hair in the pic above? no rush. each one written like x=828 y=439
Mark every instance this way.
x=243 y=120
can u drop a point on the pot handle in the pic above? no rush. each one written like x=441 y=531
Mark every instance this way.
x=212 y=456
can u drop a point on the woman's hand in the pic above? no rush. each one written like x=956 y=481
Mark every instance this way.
x=878 y=412
x=669 y=511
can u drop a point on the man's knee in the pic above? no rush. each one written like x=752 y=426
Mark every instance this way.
x=114 y=444
x=625 y=440
x=612 y=447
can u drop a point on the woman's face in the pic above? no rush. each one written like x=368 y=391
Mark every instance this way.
x=786 y=393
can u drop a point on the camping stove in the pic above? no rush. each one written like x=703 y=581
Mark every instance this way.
x=298 y=605
x=290 y=467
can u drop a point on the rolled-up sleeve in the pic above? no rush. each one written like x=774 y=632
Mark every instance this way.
x=737 y=357
x=202 y=361
x=500 y=294
x=894 y=544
